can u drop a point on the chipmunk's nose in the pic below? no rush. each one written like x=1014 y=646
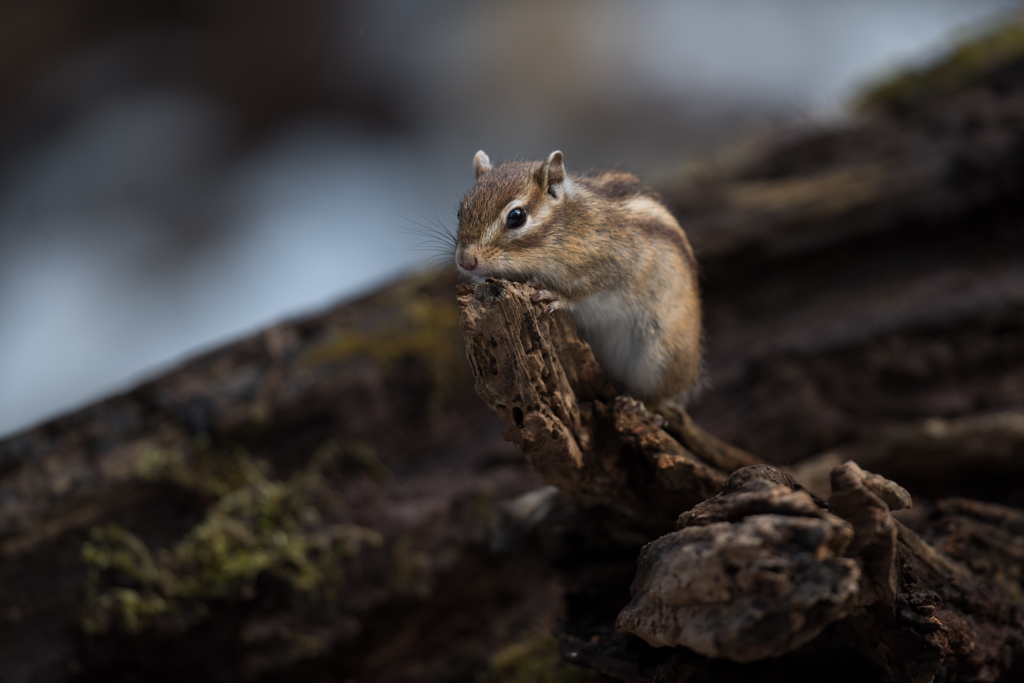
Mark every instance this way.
x=467 y=262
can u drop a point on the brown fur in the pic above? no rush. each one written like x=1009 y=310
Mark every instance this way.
x=494 y=190
x=616 y=183
x=605 y=247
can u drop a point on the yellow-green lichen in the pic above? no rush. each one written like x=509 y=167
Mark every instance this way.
x=365 y=457
x=207 y=472
x=425 y=330
x=535 y=659
x=968 y=60
x=486 y=500
x=304 y=645
x=262 y=526
x=410 y=568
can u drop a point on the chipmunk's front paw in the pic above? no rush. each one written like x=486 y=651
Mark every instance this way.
x=553 y=306
x=545 y=295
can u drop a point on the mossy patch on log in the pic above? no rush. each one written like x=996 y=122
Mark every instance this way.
x=426 y=330
x=535 y=659
x=966 y=63
x=256 y=526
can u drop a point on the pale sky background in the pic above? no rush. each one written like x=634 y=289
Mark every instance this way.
x=95 y=296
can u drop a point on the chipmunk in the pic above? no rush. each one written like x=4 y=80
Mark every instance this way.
x=601 y=245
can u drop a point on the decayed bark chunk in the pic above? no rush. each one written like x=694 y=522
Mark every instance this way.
x=752 y=573
x=763 y=568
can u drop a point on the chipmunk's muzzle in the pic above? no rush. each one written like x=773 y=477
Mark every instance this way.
x=466 y=258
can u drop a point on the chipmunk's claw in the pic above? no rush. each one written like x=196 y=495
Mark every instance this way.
x=545 y=295
x=552 y=299
x=554 y=306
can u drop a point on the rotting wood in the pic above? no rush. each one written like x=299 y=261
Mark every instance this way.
x=934 y=456
x=759 y=566
x=752 y=573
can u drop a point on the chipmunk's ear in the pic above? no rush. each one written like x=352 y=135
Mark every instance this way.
x=552 y=175
x=481 y=163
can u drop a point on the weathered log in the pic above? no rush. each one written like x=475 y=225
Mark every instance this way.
x=862 y=290
x=362 y=417
x=759 y=568
x=935 y=457
x=867 y=278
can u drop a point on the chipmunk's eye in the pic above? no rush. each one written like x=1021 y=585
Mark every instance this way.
x=516 y=218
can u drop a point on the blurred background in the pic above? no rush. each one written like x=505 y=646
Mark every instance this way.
x=174 y=175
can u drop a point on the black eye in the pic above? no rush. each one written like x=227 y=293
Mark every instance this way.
x=516 y=218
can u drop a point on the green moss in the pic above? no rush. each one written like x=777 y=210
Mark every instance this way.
x=207 y=472
x=305 y=645
x=425 y=330
x=967 y=61
x=364 y=456
x=535 y=659
x=422 y=330
x=261 y=526
x=410 y=568
x=485 y=508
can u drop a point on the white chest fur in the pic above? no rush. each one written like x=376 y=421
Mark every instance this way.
x=624 y=338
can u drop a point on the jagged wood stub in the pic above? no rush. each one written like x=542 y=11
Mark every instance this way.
x=536 y=373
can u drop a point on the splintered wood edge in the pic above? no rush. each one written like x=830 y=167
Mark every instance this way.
x=519 y=374
x=534 y=371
